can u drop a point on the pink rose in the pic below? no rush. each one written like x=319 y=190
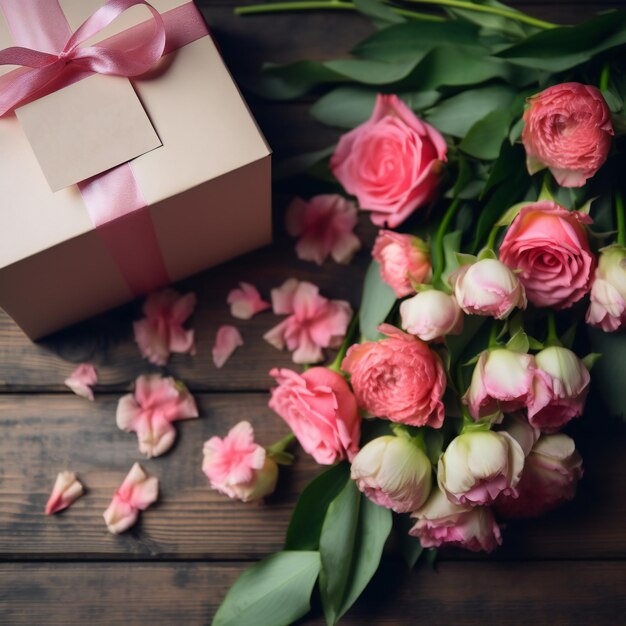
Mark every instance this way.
x=443 y=523
x=504 y=381
x=399 y=378
x=550 y=477
x=566 y=381
x=477 y=466
x=548 y=244
x=321 y=411
x=568 y=130
x=608 y=291
x=488 y=287
x=391 y=163
x=404 y=261
x=431 y=315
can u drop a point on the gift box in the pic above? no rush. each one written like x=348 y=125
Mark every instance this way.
x=128 y=158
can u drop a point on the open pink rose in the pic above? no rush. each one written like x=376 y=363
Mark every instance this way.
x=431 y=315
x=325 y=227
x=443 y=523
x=548 y=245
x=391 y=163
x=550 y=477
x=151 y=411
x=67 y=488
x=82 y=379
x=399 y=378
x=321 y=411
x=246 y=302
x=239 y=467
x=488 y=287
x=136 y=493
x=314 y=322
x=566 y=382
x=161 y=331
x=404 y=261
x=567 y=129
x=608 y=291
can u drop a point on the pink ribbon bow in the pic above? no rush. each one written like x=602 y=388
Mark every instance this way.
x=118 y=56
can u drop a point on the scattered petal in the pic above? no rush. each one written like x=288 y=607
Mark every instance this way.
x=161 y=331
x=67 y=488
x=150 y=411
x=314 y=322
x=325 y=226
x=227 y=340
x=82 y=379
x=246 y=302
x=136 y=493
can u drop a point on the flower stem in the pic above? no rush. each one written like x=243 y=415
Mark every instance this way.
x=337 y=5
x=347 y=342
x=277 y=453
x=493 y=335
x=620 y=218
x=438 y=243
x=493 y=233
x=605 y=77
x=281 y=444
x=553 y=338
x=483 y=8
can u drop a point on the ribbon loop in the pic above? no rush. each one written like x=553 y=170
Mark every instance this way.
x=125 y=59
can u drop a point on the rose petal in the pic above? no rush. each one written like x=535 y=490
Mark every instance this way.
x=82 y=379
x=227 y=340
x=66 y=490
x=246 y=302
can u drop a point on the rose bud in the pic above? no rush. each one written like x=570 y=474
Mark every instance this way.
x=568 y=130
x=443 y=523
x=608 y=291
x=393 y=472
x=548 y=245
x=502 y=381
x=391 y=163
x=239 y=467
x=566 y=383
x=477 y=466
x=431 y=315
x=399 y=378
x=550 y=477
x=404 y=261
x=321 y=410
x=488 y=287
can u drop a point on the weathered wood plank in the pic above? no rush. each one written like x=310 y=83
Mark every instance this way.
x=59 y=594
x=41 y=435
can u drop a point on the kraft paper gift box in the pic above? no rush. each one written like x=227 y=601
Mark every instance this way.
x=72 y=244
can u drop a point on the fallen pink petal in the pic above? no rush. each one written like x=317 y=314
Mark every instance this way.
x=135 y=494
x=227 y=340
x=151 y=410
x=325 y=227
x=82 y=379
x=161 y=331
x=245 y=302
x=67 y=488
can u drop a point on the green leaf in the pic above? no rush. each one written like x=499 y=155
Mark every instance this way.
x=612 y=346
x=485 y=137
x=457 y=114
x=377 y=301
x=510 y=214
x=591 y=359
x=379 y=12
x=371 y=72
x=274 y=592
x=562 y=48
x=457 y=344
x=307 y=518
x=301 y=163
x=451 y=246
x=286 y=82
x=353 y=536
x=410 y=547
x=519 y=342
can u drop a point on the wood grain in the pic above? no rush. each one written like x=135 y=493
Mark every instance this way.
x=162 y=594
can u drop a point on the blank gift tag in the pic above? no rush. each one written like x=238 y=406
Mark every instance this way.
x=87 y=128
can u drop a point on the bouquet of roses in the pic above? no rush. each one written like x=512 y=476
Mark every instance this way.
x=486 y=147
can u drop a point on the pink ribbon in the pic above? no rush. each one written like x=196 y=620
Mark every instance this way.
x=41 y=68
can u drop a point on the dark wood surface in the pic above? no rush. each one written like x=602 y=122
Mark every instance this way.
x=176 y=564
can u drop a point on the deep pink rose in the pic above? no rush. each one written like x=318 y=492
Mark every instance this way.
x=321 y=411
x=443 y=523
x=549 y=245
x=550 y=477
x=404 y=261
x=568 y=130
x=399 y=378
x=391 y=163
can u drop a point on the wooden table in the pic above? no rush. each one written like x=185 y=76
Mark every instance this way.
x=177 y=563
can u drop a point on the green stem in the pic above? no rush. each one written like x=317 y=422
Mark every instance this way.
x=438 y=244
x=620 y=218
x=347 y=342
x=493 y=335
x=281 y=444
x=337 y=5
x=604 y=77
x=483 y=8
x=493 y=233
